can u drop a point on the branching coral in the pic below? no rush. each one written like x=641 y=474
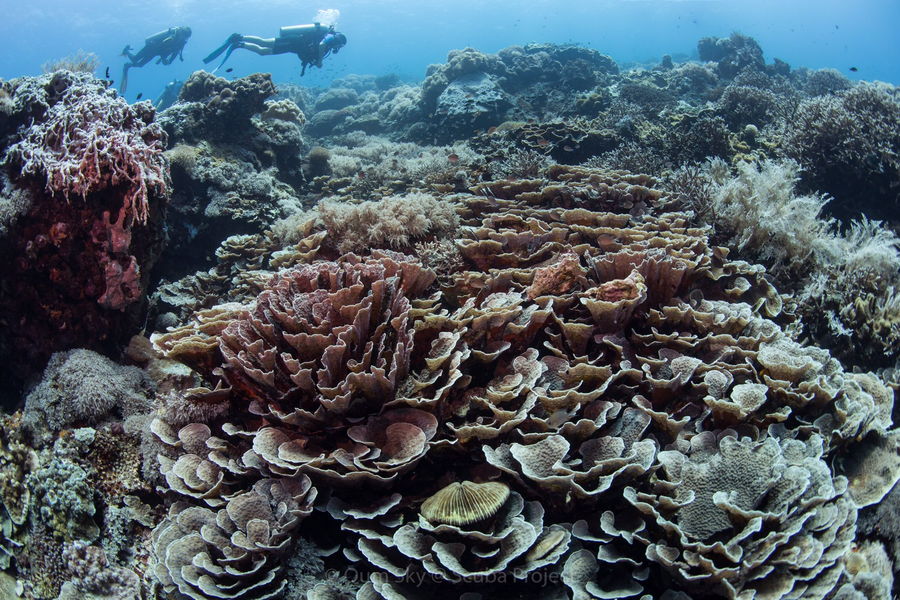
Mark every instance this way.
x=847 y=144
x=92 y=141
x=80 y=62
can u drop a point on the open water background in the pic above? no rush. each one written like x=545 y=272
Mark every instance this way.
x=405 y=36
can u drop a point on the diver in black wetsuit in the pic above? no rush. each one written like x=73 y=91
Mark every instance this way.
x=166 y=45
x=311 y=44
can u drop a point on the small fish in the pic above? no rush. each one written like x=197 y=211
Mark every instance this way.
x=107 y=72
x=568 y=148
x=139 y=96
x=229 y=69
x=491 y=130
x=854 y=69
x=543 y=143
x=453 y=158
x=361 y=174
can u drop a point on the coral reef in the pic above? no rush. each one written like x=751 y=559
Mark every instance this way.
x=844 y=283
x=80 y=62
x=731 y=54
x=216 y=109
x=610 y=340
x=236 y=164
x=392 y=222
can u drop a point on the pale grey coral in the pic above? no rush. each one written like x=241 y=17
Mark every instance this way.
x=521 y=164
x=83 y=387
x=614 y=453
x=617 y=568
x=17 y=460
x=336 y=99
x=747 y=517
x=393 y=222
x=237 y=550
x=511 y=544
x=14 y=203
x=94 y=579
x=280 y=125
x=825 y=81
x=63 y=500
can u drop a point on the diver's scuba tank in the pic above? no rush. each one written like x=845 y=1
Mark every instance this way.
x=301 y=30
x=158 y=37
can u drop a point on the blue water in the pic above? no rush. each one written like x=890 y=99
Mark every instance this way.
x=405 y=36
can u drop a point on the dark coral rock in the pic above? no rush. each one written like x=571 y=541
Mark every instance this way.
x=219 y=192
x=744 y=105
x=213 y=108
x=732 y=54
x=882 y=521
x=325 y=122
x=649 y=96
x=81 y=247
x=575 y=67
x=471 y=102
x=847 y=144
x=467 y=61
x=337 y=98
x=823 y=81
x=696 y=138
x=386 y=82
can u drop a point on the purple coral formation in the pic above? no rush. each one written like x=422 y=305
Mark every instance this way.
x=92 y=170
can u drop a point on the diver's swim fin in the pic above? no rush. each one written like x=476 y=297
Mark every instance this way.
x=229 y=45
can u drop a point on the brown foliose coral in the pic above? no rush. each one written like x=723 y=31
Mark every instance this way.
x=596 y=403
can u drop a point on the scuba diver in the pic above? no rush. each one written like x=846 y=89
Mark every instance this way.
x=166 y=45
x=311 y=44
